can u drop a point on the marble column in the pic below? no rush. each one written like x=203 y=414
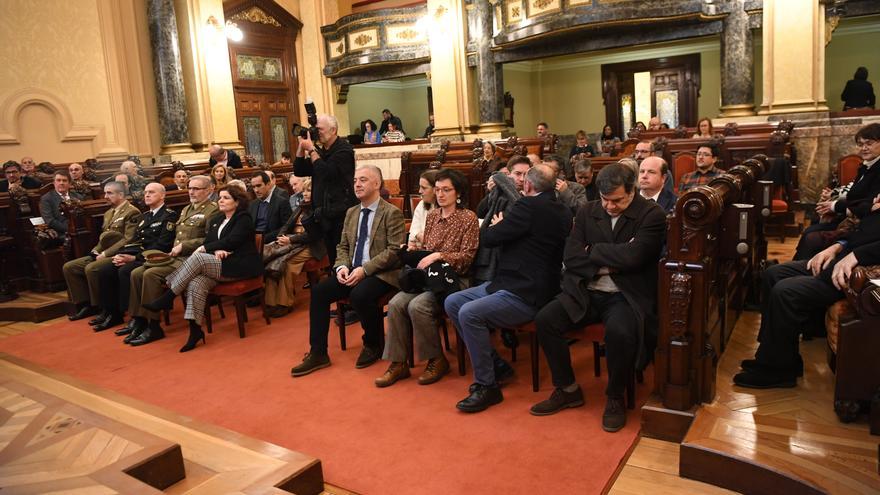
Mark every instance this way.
x=168 y=71
x=737 y=62
x=489 y=74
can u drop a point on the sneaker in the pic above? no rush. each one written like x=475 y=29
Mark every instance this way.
x=367 y=357
x=395 y=371
x=311 y=362
x=765 y=378
x=614 y=417
x=481 y=398
x=434 y=371
x=559 y=400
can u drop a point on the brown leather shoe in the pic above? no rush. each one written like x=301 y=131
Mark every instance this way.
x=434 y=371
x=396 y=371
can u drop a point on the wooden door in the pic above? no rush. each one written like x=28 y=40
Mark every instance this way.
x=264 y=121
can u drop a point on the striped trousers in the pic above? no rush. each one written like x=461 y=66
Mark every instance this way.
x=197 y=276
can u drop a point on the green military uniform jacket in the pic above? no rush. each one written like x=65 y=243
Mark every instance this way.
x=120 y=225
x=192 y=227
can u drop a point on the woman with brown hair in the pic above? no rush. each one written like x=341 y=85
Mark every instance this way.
x=229 y=253
x=420 y=212
x=704 y=129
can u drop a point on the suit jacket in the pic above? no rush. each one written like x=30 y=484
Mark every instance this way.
x=386 y=236
x=27 y=182
x=861 y=195
x=279 y=212
x=237 y=238
x=531 y=238
x=118 y=230
x=192 y=226
x=232 y=160
x=667 y=200
x=50 y=210
x=631 y=250
x=574 y=196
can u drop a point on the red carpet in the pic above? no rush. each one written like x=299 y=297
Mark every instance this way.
x=403 y=439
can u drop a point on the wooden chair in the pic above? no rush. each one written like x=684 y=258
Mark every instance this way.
x=847 y=168
x=314 y=268
x=683 y=163
x=240 y=291
x=343 y=304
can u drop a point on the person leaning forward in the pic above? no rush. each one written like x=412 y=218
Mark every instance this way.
x=366 y=269
x=81 y=274
x=156 y=231
x=148 y=281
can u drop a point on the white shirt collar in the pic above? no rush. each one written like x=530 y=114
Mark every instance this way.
x=655 y=197
x=872 y=162
x=372 y=206
x=153 y=211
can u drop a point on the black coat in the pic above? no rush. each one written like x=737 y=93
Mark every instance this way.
x=232 y=160
x=154 y=232
x=237 y=238
x=50 y=210
x=332 y=181
x=279 y=212
x=861 y=195
x=631 y=250
x=27 y=182
x=667 y=200
x=857 y=94
x=531 y=237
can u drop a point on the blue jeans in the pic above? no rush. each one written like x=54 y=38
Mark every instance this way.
x=474 y=311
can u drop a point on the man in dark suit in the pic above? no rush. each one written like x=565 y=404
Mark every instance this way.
x=866 y=185
x=50 y=203
x=653 y=172
x=271 y=208
x=366 y=269
x=14 y=179
x=610 y=276
x=388 y=117
x=155 y=231
x=794 y=291
x=223 y=157
x=531 y=237
x=332 y=171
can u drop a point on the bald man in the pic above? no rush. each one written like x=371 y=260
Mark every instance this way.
x=223 y=157
x=155 y=231
x=331 y=168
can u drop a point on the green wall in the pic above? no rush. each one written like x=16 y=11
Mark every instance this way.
x=854 y=43
x=407 y=98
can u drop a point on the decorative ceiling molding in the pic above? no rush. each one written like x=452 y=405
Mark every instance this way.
x=399 y=85
x=256 y=15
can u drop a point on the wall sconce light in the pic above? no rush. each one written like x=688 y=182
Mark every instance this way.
x=231 y=30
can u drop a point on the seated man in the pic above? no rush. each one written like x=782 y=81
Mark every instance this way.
x=610 y=276
x=570 y=193
x=14 y=179
x=583 y=173
x=531 y=237
x=296 y=185
x=78 y=182
x=181 y=179
x=156 y=231
x=148 y=281
x=229 y=158
x=793 y=291
x=707 y=155
x=366 y=269
x=653 y=172
x=271 y=209
x=81 y=274
x=50 y=203
x=517 y=167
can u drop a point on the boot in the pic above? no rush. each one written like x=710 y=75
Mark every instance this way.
x=165 y=301
x=195 y=335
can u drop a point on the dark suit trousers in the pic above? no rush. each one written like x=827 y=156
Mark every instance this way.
x=621 y=338
x=793 y=298
x=363 y=296
x=116 y=286
x=332 y=236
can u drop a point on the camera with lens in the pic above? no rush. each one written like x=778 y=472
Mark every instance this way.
x=312 y=130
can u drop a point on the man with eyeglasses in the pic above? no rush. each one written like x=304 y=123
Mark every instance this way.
x=707 y=155
x=148 y=281
x=866 y=185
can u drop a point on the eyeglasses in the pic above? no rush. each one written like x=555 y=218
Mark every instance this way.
x=445 y=190
x=866 y=143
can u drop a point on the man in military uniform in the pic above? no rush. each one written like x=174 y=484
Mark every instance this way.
x=81 y=274
x=156 y=231
x=148 y=281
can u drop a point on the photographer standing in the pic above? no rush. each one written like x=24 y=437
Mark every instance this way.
x=332 y=170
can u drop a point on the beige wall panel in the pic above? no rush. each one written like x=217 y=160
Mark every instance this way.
x=59 y=64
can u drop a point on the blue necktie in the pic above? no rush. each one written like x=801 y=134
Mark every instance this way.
x=363 y=232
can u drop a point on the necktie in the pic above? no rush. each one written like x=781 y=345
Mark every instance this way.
x=363 y=233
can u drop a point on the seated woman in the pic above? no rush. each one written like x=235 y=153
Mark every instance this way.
x=299 y=240
x=452 y=237
x=489 y=162
x=608 y=142
x=229 y=253
x=704 y=129
x=371 y=134
x=393 y=135
x=220 y=176
x=420 y=213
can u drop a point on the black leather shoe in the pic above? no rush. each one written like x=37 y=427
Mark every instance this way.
x=151 y=334
x=83 y=312
x=765 y=378
x=165 y=301
x=367 y=357
x=559 y=400
x=614 y=417
x=351 y=317
x=132 y=324
x=754 y=365
x=481 y=398
x=311 y=362
x=103 y=315
x=110 y=322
